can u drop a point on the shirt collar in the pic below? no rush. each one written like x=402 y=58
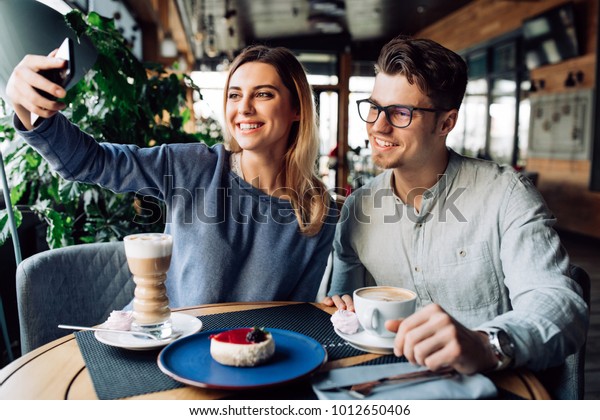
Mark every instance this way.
x=445 y=179
x=454 y=162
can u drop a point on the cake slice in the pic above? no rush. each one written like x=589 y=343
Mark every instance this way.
x=242 y=347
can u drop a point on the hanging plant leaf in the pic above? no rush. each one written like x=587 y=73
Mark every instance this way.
x=4 y=226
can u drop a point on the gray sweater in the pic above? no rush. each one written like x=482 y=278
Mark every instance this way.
x=231 y=241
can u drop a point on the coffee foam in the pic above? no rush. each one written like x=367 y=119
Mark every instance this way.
x=386 y=294
x=148 y=245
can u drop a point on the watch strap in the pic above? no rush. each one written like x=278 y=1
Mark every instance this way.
x=502 y=347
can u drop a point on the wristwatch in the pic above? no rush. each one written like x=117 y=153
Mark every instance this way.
x=502 y=346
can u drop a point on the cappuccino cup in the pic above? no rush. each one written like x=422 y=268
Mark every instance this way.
x=377 y=304
x=149 y=257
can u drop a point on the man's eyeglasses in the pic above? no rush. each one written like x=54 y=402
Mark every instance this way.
x=399 y=116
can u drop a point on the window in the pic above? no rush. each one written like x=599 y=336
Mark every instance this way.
x=211 y=84
x=502 y=114
x=360 y=88
x=495 y=115
x=327 y=114
x=469 y=135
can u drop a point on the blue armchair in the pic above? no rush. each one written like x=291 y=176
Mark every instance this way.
x=567 y=381
x=78 y=285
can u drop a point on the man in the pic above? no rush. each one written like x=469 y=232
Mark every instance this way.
x=472 y=238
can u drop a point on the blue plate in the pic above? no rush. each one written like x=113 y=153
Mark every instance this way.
x=188 y=360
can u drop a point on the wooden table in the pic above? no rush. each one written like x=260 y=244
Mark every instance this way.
x=57 y=371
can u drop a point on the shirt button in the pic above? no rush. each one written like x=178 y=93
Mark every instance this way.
x=462 y=253
x=417 y=269
x=419 y=225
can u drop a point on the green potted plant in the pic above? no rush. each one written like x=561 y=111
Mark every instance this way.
x=120 y=100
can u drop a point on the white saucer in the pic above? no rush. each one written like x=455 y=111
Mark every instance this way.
x=364 y=341
x=186 y=324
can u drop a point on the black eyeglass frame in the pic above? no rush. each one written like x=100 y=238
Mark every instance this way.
x=385 y=110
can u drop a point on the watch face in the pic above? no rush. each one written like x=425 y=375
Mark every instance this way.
x=506 y=344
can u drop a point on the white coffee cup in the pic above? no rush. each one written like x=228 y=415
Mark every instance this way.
x=376 y=304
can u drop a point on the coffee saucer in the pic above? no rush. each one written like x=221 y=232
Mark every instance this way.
x=184 y=323
x=364 y=341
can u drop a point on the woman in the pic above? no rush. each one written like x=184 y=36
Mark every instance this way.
x=250 y=223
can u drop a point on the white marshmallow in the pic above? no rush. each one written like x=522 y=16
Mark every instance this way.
x=345 y=321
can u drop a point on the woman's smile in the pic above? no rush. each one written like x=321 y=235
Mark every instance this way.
x=248 y=127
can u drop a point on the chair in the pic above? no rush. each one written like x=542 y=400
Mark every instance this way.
x=78 y=285
x=567 y=381
x=326 y=280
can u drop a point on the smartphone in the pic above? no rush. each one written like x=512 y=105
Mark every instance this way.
x=63 y=75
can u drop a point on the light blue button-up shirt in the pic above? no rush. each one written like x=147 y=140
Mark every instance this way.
x=482 y=247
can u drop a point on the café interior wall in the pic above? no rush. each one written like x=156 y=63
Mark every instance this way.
x=563 y=183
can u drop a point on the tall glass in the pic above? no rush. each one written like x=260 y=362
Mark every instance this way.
x=149 y=257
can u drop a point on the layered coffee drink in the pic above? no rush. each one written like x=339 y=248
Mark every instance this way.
x=386 y=294
x=149 y=257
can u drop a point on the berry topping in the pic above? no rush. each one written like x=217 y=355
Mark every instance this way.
x=256 y=335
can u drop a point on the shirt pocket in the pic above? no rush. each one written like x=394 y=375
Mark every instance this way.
x=464 y=278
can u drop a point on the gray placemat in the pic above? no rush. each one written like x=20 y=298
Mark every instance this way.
x=119 y=373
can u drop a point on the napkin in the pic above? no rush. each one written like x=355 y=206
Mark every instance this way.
x=459 y=387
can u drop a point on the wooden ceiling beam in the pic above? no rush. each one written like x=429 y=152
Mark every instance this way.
x=157 y=18
x=144 y=10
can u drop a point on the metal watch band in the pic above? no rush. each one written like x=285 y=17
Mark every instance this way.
x=502 y=347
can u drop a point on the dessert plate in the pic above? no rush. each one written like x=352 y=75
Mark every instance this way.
x=186 y=324
x=188 y=360
x=364 y=341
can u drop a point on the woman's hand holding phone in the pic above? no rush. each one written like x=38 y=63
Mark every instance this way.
x=27 y=82
x=63 y=75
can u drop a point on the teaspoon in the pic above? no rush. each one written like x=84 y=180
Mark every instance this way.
x=174 y=335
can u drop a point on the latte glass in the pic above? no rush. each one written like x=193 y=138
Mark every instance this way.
x=149 y=257
x=377 y=304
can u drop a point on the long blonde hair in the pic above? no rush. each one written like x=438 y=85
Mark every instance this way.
x=307 y=193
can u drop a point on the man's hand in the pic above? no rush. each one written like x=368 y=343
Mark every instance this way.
x=430 y=337
x=21 y=85
x=344 y=302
